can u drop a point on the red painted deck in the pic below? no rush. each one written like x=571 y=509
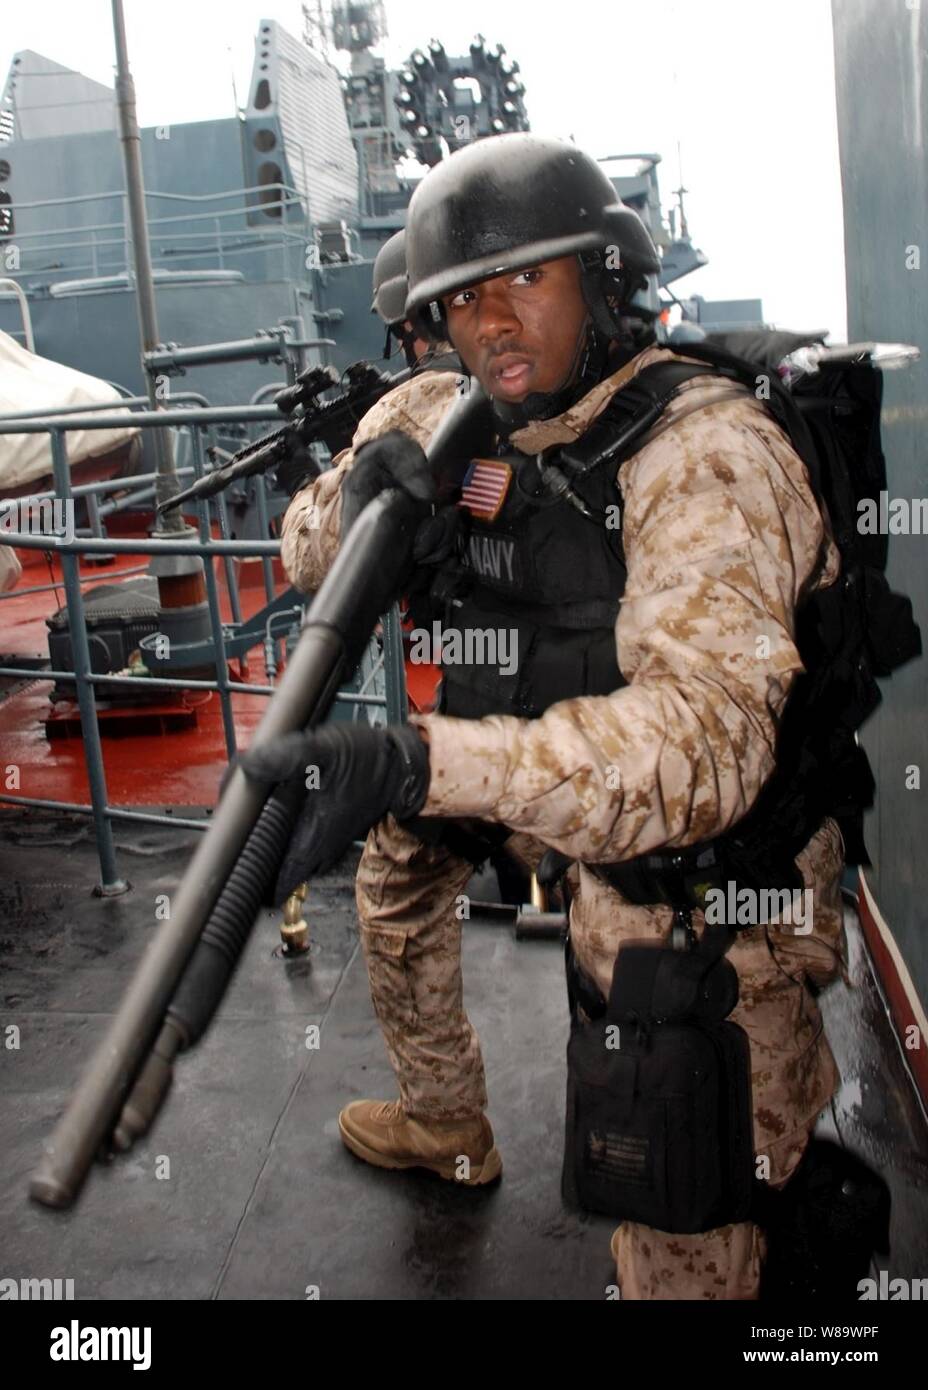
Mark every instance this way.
x=166 y=766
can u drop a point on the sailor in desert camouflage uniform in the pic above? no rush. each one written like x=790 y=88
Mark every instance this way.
x=311 y=532
x=653 y=724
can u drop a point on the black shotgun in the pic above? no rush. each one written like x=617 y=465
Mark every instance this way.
x=165 y=1008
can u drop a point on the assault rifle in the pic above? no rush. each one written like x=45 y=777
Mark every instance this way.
x=313 y=421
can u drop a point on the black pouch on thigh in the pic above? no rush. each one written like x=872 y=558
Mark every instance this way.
x=659 y=1126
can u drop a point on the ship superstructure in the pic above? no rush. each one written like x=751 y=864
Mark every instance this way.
x=268 y=218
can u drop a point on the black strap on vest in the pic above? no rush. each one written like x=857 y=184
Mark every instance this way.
x=630 y=413
x=439 y=362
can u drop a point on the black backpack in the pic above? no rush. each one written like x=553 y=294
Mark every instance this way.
x=848 y=635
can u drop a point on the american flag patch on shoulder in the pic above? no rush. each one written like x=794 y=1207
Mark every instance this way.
x=484 y=489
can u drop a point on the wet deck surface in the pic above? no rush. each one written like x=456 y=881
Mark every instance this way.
x=262 y=1199
x=170 y=753
x=135 y=762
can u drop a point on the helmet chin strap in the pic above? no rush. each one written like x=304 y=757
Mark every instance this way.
x=406 y=339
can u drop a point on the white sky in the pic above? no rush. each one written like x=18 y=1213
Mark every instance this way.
x=746 y=87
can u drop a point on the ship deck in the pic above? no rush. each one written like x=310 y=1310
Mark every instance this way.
x=171 y=754
x=44 y=740
x=262 y=1200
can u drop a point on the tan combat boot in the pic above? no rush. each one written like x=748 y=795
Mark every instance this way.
x=382 y=1133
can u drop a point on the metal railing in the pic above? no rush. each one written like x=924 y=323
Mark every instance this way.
x=198 y=230
x=224 y=638
x=11 y=287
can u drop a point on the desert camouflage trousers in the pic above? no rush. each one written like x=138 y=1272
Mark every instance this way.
x=410 y=907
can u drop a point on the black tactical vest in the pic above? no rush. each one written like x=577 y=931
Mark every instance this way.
x=534 y=596
x=547 y=571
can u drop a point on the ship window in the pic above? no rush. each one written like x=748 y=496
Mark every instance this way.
x=263 y=95
x=4 y=170
x=469 y=84
x=265 y=140
x=268 y=175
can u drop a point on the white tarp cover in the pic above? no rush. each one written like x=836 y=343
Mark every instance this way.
x=28 y=383
x=10 y=568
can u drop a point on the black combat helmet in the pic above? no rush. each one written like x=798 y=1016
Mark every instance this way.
x=390 y=280
x=512 y=201
x=389 y=300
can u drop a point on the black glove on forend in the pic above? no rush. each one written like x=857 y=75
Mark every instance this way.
x=394 y=460
x=355 y=774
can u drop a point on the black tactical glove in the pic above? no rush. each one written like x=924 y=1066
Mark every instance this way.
x=354 y=775
x=296 y=471
x=394 y=460
x=436 y=536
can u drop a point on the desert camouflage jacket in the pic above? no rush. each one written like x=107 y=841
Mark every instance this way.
x=722 y=537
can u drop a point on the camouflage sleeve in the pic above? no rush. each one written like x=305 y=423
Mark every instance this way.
x=310 y=534
x=722 y=533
